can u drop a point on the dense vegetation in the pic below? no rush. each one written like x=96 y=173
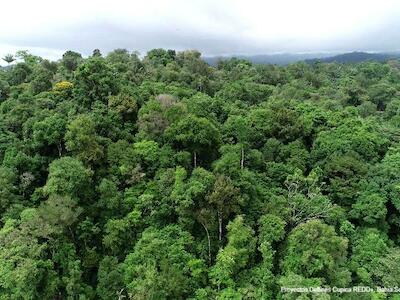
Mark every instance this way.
x=165 y=178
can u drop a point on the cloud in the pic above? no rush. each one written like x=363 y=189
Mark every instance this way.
x=49 y=28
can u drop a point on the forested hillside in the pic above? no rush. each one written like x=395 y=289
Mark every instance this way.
x=276 y=59
x=357 y=57
x=166 y=178
x=288 y=58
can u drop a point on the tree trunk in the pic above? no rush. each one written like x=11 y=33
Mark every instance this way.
x=195 y=159
x=59 y=147
x=220 y=226
x=242 y=159
x=209 y=243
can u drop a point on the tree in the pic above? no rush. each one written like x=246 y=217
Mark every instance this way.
x=94 y=81
x=343 y=174
x=225 y=199
x=71 y=60
x=280 y=120
x=120 y=59
x=381 y=94
x=155 y=116
x=272 y=228
x=4 y=89
x=28 y=58
x=96 y=53
x=370 y=207
x=203 y=105
x=68 y=177
x=8 y=189
x=60 y=212
x=387 y=176
x=110 y=276
x=50 y=132
x=387 y=269
x=195 y=134
x=9 y=58
x=161 y=266
x=42 y=80
x=352 y=135
x=19 y=73
x=260 y=280
x=367 y=250
x=125 y=105
x=160 y=56
x=324 y=260
x=235 y=255
x=246 y=91
x=119 y=232
x=81 y=139
x=191 y=200
x=26 y=272
x=305 y=200
x=237 y=128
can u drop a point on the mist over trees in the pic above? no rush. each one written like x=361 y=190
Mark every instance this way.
x=166 y=178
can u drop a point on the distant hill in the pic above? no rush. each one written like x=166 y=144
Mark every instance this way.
x=356 y=57
x=276 y=59
x=288 y=58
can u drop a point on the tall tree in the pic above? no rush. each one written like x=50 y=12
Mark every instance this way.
x=225 y=198
x=195 y=134
x=9 y=58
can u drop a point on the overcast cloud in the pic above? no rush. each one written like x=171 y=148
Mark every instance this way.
x=49 y=28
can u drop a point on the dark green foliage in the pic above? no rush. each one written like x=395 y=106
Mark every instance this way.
x=94 y=81
x=42 y=80
x=165 y=178
x=160 y=265
x=314 y=250
x=70 y=60
x=19 y=73
x=68 y=176
x=4 y=89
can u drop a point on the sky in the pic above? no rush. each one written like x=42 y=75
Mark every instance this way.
x=214 y=27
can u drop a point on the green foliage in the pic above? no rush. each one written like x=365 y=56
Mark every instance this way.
x=272 y=228
x=8 y=189
x=195 y=134
x=370 y=207
x=163 y=177
x=41 y=81
x=25 y=271
x=323 y=260
x=4 y=89
x=161 y=266
x=49 y=132
x=156 y=115
x=124 y=104
x=9 y=58
x=81 y=139
x=110 y=276
x=60 y=212
x=70 y=60
x=94 y=81
x=369 y=248
x=387 y=270
x=235 y=255
x=68 y=176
